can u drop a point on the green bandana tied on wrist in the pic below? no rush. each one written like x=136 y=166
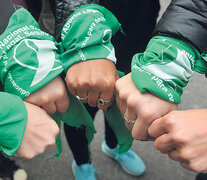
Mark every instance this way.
x=87 y=35
x=30 y=59
x=165 y=67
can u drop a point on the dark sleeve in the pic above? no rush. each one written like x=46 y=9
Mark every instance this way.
x=63 y=10
x=6 y=10
x=186 y=20
x=34 y=7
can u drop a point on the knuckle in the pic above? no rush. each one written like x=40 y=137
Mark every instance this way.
x=185 y=154
x=194 y=167
x=51 y=111
x=45 y=100
x=122 y=95
x=178 y=137
x=81 y=85
x=138 y=136
x=94 y=83
x=170 y=119
x=134 y=135
x=146 y=115
x=28 y=155
x=157 y=145
x=110 y=83
x=131 y=102
x=69 y=82
x=51 y=142
x=41 y=149
x=118 y=85
x=55 y=129
x=61 y=91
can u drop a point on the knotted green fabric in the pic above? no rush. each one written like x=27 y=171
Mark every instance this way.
x=165 y=67
x=30 y=59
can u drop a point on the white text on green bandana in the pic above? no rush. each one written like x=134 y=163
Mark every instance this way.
x=164 y=68
x=29 y=56
x=87 y=35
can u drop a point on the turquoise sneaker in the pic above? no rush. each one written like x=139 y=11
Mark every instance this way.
x=84 y=171
x=129 y=161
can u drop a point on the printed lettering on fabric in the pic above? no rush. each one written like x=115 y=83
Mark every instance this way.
x=166 y=65
x=75 y=16
x=28 y=56
x=87 y=35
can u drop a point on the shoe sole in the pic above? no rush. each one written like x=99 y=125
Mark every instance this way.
x=126 y=170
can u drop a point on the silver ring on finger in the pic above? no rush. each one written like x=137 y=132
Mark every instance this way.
x=130 y=122
x=81 y=98
x=102 y=102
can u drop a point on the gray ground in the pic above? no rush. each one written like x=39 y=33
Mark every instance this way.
x=159 y=167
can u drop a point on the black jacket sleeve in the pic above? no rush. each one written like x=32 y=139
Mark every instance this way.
x=186 y=20
x=6 y=10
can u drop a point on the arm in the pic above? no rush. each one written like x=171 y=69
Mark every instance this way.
x=25 y=129
x=169 y=59
x=30 y=60
x=88 y=56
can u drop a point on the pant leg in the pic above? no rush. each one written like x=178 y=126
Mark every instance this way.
x=77 y=141
x=110 y=137
x=201 y=176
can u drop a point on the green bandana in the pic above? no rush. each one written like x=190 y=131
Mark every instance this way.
x=29 y=57
x=165 y=67
x=87 y=35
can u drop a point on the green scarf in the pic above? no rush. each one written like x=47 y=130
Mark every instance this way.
x=165 y=67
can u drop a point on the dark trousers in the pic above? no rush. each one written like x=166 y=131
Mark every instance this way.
x=78 y=143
